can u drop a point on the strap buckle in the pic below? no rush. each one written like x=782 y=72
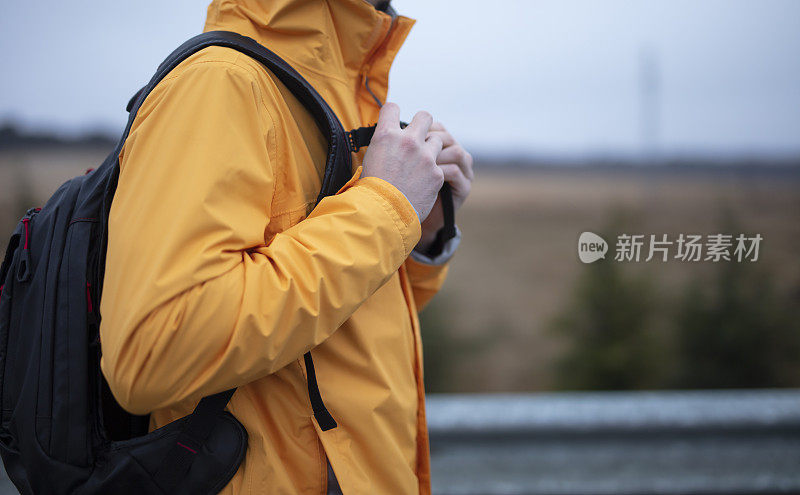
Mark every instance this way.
x=360 y=138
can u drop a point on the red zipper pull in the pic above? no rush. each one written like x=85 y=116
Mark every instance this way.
x=24 y=264
x=26 y=222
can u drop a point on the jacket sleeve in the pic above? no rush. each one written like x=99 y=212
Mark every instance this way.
x=426 y=280
x=427 y=273
x=196 y=300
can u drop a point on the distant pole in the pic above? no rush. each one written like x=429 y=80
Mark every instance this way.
x=649 y=102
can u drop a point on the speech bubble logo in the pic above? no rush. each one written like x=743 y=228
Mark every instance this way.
x=591 y=247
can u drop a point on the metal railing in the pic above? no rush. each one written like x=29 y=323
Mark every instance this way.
x=613 y=442
x=709 y=442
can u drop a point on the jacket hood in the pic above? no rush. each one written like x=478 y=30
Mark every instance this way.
x=343 y=39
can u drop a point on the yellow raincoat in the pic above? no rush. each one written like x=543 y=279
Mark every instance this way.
x=220 y=275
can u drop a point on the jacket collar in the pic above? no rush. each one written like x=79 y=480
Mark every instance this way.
x=343 y=39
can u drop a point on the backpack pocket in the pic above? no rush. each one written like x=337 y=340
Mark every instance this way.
x=9 y=343
x=131 y=466
x=5 y=302
x=69 y=431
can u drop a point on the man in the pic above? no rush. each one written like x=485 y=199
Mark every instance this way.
x=221 y=273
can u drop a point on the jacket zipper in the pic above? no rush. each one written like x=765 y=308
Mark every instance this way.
x=371 y=58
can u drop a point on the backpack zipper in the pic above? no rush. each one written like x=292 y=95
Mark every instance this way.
x=89 y=297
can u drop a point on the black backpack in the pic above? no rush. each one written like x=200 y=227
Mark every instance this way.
x=62 y=430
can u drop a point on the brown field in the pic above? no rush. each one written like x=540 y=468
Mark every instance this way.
x=518 y=261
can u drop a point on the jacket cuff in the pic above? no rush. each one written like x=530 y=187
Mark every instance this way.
x=448 y=250
x=396 y=205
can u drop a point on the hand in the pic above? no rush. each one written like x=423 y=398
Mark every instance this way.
x=456 y=165
x=406 y=158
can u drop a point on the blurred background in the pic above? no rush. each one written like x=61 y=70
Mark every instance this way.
x=658 y=117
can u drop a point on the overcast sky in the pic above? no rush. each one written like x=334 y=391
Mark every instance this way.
x=543 y=77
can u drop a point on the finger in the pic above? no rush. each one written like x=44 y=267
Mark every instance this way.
x=420 y=124
x=434 y=143
x=454 y=175
x=447 y=138
x=389 y=117
x=457 y=155
x=438 y=126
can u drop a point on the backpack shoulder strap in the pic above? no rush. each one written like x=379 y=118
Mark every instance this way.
x=337 y=167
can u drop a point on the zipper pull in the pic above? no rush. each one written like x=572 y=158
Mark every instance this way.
x=24 y=265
